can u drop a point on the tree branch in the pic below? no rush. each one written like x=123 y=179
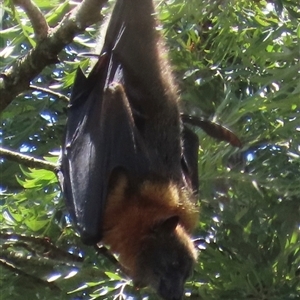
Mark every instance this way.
x=9 y=266
x=36 y=17
x=48 y=91
x=42 y=244
x=17 y=78
x=27 y=160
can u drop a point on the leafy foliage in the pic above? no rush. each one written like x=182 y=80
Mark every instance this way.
x=237 y=63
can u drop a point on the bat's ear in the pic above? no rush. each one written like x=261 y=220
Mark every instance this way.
x=169 y=224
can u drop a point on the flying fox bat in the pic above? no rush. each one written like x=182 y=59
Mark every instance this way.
x=129 y=165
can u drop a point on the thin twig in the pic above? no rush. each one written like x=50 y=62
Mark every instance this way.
x=48 y=91
x=9 y=266
x=102 y=250
x=51 y=250
x=27 y=160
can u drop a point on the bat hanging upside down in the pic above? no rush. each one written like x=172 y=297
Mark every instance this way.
x=129 y=166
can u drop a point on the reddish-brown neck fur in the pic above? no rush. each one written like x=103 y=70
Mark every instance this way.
x=128 y=220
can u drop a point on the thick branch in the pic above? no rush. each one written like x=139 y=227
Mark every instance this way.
x=36 y=17
x=16 y=79
x=27 y=160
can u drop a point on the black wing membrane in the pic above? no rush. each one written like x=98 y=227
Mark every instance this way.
x=120 y=116
x=190 y=158
x=100 y=137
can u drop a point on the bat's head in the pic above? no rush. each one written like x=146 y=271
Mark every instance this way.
x=166 y=259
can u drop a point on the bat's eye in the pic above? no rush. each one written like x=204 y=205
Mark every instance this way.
x=175 y=264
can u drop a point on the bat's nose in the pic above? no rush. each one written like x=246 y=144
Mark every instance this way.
x=172 y=292
x=175 y=297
